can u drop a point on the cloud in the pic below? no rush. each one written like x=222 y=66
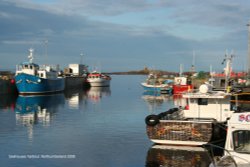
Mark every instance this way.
x=212 y=13
x=160 y=31
x=86 y=7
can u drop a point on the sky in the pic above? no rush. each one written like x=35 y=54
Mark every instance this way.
x=124 y=35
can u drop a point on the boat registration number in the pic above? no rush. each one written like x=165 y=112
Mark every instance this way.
x=244 y=117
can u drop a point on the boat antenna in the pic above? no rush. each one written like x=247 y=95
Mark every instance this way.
x=30 y=56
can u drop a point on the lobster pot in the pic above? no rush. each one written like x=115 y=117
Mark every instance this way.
x=181 y=131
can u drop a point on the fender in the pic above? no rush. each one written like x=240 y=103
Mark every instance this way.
x=152 y=120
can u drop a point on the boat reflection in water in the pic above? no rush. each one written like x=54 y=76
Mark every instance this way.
x=155 y=99
x=32 y=110
x=95 y=94
x=179 y=101
x=8 y=101
x=76 y=98
x=177 y=156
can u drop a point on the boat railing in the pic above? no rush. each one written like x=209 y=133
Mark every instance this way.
x=211 y=94
x=226 y=159
x=186 y=121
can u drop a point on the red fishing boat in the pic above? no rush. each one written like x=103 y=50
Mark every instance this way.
x=181 y=85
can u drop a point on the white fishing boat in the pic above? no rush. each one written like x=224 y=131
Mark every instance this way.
x=97 y=79
x=201 y=121
x=237 y=146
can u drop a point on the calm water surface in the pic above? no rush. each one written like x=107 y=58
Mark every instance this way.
x=97 y=127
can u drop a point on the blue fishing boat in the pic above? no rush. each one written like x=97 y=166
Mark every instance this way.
x=31 y=78
x=157 y=84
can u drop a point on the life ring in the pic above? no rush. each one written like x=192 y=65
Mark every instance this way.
x=152 y=120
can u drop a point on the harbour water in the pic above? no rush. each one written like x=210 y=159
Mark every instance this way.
x=96 y=127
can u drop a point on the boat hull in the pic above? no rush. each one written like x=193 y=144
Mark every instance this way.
x=180 y=132
x=75 y=82
x=99 y=82
x=29 y=84
x=156 y=88
x=180 y=89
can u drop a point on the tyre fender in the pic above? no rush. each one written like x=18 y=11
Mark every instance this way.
x=152 y=120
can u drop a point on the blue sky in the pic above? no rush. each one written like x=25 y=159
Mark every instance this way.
x=118 y=35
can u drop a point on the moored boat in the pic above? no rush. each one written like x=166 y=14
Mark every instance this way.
x=76 y=76
x=7 y=83
x=181 y=85
x=157 y=84
x=237 y=146
x=97 y=79
x=201 y=121
x=31 y=78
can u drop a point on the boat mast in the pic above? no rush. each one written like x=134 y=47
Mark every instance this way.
x=81 y=55
x=30 y=56
x=228 y=68
x=181 y=69
x=248 y=68
x=193 y=63
x=211 y=79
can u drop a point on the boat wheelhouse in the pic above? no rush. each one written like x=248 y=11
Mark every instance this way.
x=237 y=146
x=238 y=138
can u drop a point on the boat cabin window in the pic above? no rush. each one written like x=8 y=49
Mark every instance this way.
x=26 y=66
x=202 y=101
x=241 y=141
